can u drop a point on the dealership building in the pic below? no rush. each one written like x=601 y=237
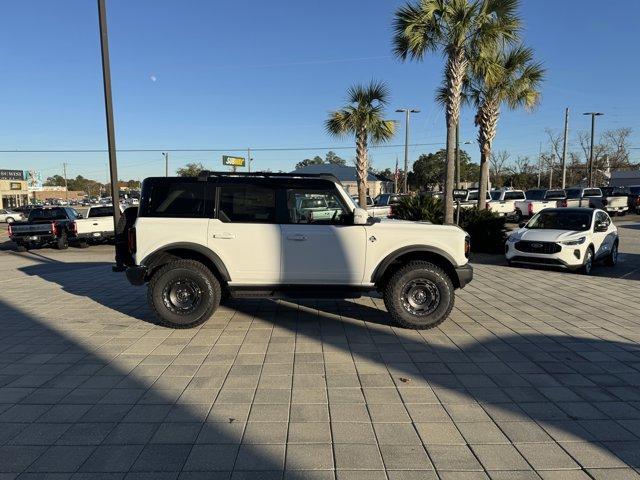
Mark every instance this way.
x=13 y=189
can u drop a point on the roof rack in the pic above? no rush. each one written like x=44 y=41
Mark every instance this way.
x=206 y=174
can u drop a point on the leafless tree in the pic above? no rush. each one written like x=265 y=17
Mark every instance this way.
x=498 y=166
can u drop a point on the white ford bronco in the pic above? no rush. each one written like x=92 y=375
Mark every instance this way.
x=198 y=241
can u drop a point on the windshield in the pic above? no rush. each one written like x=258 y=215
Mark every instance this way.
x=350 y=201
x=495 y=195
x=560 y=220
x=47 y=214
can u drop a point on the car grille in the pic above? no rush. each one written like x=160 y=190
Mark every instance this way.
x=537 y=260
x=538 y=247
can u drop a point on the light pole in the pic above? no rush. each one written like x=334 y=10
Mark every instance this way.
x=407 y=112
x=593 y=129
x=166 y=163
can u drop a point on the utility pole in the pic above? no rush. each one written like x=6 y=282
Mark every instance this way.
x=166 y=163
x=108 y=106
x=66 y=185
x=553 y=157
x=249 y=158
x=564 y=147
x=395 y=177
x=593 y=130
x=539 y=163
x=407 y=112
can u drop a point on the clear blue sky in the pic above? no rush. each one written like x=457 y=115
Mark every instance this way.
x=203 y=74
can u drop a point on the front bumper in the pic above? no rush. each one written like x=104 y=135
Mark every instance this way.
x=136 y=275
x=465 y=274
x=570 y=257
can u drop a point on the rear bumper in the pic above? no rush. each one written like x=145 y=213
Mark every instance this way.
x=36 y=239
x=465 y=274
x=136 y=275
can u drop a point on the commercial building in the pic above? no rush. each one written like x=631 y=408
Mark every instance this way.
x=13 y=189
x=376 y=184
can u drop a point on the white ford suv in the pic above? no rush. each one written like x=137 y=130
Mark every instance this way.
x=199 y=240
x=568 y=238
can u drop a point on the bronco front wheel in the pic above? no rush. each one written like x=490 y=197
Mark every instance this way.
x=183 y=293
x=419 y=295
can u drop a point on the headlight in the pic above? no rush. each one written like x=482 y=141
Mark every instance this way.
x=577 y=241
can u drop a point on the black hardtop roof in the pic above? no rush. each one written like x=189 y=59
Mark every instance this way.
x=264 y=178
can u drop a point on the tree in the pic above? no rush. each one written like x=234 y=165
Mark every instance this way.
x=55 y=181
x=457 y=28
x=333 y=159
x=497 y=77
x=309 y=161
x=363 y=118
x=499 y=162
x=429 y=171
x=190 y=170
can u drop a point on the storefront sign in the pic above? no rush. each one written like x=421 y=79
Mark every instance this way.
x=15 y=186
x=11 y=175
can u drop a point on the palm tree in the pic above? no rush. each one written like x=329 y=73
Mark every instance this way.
x=456 y=28
x=363 y=118
x=510 y=77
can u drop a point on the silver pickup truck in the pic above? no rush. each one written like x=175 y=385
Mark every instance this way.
x=612 y=200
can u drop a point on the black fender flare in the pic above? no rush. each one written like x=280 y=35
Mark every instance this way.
x=149 y=260
x=393 y=256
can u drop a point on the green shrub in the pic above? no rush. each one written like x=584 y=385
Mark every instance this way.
x=420 y=209
x=487 y=229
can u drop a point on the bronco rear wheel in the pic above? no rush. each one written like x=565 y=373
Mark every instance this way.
x=419 y=295
x=183 y=293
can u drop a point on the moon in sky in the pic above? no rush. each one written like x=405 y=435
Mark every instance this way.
x=153 y=78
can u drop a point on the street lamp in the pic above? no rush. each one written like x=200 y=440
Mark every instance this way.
x=593 y=129
x=407 y=112
x=458 y=155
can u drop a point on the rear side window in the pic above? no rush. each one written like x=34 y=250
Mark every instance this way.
x=247 y=204
x=534 y=194
x=100 y=212
x=47 y=214
x=592 y=192
x=514 y=195
x=178 y=199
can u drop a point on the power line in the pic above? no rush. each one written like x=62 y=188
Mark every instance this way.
x=215 y=150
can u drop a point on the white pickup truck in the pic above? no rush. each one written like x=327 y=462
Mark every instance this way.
x=537 y=199
x=503 y=202
x=96 y=227
x=610 y=199
x=373 y=210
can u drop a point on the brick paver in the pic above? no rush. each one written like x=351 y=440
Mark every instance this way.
x=535 y=375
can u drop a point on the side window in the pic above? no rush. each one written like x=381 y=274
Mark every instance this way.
x=174 y=199
x=514 y=196
x=247 y=204
x=314 y=207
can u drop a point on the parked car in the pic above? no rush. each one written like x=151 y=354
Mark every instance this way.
x=97 y=227
x=45 y=226
x=614 y=200
x=25 y=209
x=389 y=199
x=569 y=238
x=254 y=239
x=9 y=216
x=634 y=198
x=471 y=199
x=503 y=202
x=537 y=199
x=372 y=209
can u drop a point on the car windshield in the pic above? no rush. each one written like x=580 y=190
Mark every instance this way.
x=560 y=220
x=495 y=195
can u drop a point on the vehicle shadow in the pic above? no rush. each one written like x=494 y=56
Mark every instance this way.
x=577 y=393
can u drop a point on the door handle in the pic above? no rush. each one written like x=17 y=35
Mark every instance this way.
x=297 y=238
x=224 y=235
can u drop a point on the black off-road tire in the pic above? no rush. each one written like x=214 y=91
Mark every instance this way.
x=82 y=245
x=62 y=243
x=189 y=271
x=419 y=271
x=21 y=248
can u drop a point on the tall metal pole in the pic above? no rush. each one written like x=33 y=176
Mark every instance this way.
x=166 y=163
x=108 y=106
x=564 y=147
x=249 y=159
x=458 y=154
x=539 y=163
x=593 y=130
x=406 y=151
x=66 y=185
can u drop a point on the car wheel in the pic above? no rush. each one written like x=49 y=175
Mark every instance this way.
x=183 y=294
x=83 y=245
x=587 y=265
x=21 y=248
x=9 y=220
x=612 y=258
x=63 y=242
x=419 y=295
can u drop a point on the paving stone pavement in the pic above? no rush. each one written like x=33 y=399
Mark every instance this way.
x=536 y=375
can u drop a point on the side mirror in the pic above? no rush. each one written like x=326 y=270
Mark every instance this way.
x=600 y=227
x=360 y=216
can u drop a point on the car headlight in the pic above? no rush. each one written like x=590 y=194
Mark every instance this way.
x=576 y=241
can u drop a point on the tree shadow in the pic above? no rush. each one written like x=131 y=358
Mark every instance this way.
x=569 y=394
